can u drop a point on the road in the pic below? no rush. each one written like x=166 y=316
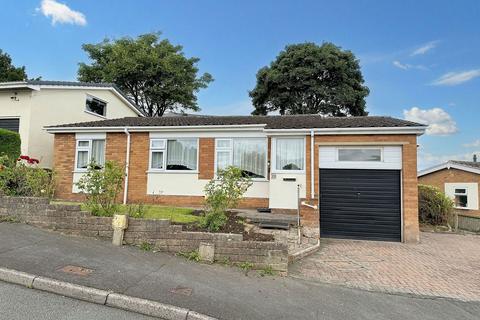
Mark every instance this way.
x=20 y=303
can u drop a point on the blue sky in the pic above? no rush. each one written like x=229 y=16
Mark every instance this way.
x=420 y=59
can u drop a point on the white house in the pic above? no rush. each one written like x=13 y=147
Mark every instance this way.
x=28 y=106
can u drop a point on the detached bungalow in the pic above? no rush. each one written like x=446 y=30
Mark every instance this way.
x=356 y=176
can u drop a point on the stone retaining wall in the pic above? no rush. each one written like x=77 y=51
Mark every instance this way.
x=469 y=223
x=162 y=235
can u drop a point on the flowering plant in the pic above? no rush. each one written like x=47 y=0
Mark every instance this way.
x=28 y=160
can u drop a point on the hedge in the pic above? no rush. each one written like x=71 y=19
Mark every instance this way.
x=9 y=144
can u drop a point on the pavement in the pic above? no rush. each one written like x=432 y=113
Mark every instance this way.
x=441 y=265
x=38 y=305
x=219 y=291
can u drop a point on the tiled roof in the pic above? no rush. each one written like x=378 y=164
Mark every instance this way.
x=471 y=164
x=270 y=122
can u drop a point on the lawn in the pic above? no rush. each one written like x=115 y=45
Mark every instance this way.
x=178 y=215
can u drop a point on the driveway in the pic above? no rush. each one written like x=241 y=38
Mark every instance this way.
x=442 y=265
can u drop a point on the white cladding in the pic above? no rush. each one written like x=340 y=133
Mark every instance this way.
x=391 y=158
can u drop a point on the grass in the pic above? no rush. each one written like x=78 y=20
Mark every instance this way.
x=178 y=215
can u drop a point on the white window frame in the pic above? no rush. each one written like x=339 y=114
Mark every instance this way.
x=164 y=149
x=230 y=149
x=89 y=151
x=273 y=155
x=472 y=194
x=461 y=194
x=337 y=153
x=94 y=113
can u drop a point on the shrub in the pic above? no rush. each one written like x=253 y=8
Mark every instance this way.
x=101 y=188
x=434 y=206
x=24 y=178
x=222 y=193
x=136 y=210
x=9 y=144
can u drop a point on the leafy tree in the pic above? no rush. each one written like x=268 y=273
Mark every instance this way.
x=8 y=72
x=155 y=74
x=311 y=79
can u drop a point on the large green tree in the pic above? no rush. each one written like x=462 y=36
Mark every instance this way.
x=310 y=79
x=155 y=74
x=8 y=72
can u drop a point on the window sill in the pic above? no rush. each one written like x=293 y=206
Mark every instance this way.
x=288 y=171
x=173 y=171
x=95 y=114
x=79 y=171
x=463 y=208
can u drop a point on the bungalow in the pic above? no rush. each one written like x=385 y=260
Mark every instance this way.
x=356 y=176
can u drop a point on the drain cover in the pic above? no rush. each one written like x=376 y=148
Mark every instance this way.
x=76 y=270
x=182 y=290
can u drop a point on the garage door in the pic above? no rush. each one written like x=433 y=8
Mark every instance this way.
x=360 y=204
x=10 y=124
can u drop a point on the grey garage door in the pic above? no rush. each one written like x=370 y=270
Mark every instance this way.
x=360 y=204
x=10 y=124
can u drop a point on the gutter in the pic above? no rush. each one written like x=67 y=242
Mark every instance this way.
x=127 y=165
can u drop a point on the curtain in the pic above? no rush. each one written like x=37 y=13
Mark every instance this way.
x=98 y=152
x=250 y=155
x=82 y=159
x=182 y=154
x=157 y=159
x=290 y=154
x=223 y=159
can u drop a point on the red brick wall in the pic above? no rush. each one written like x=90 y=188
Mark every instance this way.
x=206 y=158
x=64 y=165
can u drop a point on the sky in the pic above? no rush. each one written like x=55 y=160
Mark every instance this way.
x=420 y=59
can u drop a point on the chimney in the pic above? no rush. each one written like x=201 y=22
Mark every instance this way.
x=474 y=158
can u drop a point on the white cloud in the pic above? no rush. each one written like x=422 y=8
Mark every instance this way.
x=61 y=13
x=439 y=122
x=406 y=66
x=455 y=78
x=474 y=144
x=424 y=48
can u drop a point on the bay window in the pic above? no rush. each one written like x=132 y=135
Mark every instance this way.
x=248 y=154
x=173 y=154
x=89 y=151
x=289 y=154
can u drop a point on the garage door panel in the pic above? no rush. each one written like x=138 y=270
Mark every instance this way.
x=360 y=204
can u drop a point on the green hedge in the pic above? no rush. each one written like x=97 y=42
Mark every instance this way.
x=9 y=144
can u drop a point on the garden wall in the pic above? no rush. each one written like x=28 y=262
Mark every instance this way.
x=162 y=235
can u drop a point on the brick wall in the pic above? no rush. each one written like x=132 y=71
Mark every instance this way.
x=439 y=178
x=206 y=158
x=161 y=234
x=64 y=165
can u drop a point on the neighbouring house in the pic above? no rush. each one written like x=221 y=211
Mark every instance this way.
x=356 y=176
x=458 y=180
x=26 y=107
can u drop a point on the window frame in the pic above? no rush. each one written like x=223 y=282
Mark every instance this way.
x=455 y=194
x=94 y=113
x=337 y=154
x=164 y=149
x=231 y=149
x=273 y=155
x=89 y=151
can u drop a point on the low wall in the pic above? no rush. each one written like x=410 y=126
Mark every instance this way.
x=161 y=234
x=469 y=223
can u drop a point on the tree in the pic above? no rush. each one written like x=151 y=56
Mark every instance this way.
x=311 y=79
x=8 y=72
x=155 y=74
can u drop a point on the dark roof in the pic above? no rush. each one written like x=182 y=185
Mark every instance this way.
x=271 y=122
x=471 y=164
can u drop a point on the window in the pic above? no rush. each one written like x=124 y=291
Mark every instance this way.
x=90 y=151
x=96 y=106
x=360 y=154
x=173 y=154
x=461 y=198
x=248 y=154
x=289 y=154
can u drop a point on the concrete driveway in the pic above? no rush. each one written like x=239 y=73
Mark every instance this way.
x=442 y=265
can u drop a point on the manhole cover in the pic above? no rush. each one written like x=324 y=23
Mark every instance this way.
x=182 y=290
x=76 y=270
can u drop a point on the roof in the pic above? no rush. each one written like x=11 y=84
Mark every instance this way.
x=287 y=122
x=37 y=84
x=468 y=166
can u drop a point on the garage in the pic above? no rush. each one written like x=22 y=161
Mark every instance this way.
x=10 y=124
x=360 y=194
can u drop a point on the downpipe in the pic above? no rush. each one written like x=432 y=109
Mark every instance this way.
x=127 y=165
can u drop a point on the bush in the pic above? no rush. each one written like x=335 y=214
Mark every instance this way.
x=222 y=193
x=23 y=178
x=9 y=144
x=434 y=206
x=101 y=188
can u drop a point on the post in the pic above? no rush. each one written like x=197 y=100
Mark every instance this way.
x=298 y=215
x=119 y=224
x=456 y=221
x=206 y=252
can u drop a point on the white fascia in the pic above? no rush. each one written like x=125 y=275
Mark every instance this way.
x=18 y=85
x=347 y=131
x=447 y=165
